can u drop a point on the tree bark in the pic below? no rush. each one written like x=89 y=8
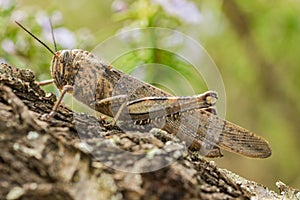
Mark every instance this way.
x=78 y=156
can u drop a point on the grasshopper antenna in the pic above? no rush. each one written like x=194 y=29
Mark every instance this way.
x=52 y=33
x=36 y=38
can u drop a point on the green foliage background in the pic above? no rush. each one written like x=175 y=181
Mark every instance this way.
x=255 y=44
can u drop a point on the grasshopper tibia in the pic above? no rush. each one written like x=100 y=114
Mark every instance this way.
x=211 y=110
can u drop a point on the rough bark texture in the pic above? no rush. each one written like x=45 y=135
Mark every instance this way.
x=78 y=156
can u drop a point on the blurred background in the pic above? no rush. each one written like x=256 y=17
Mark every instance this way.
x=254 y=44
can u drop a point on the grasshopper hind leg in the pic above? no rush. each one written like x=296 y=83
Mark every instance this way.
x=210 y=110
x=209 y=151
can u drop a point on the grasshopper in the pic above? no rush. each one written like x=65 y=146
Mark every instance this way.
x=136 y=104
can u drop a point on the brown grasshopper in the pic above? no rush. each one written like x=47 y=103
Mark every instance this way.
x=136 y=104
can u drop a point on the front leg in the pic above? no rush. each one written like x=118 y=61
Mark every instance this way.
x=66 y=88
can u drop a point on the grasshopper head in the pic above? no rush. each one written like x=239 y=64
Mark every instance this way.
x=63 y=68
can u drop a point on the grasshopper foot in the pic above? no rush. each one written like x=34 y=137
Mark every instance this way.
x=46 y=117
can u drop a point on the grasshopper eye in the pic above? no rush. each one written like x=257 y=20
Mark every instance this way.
x=65 y=57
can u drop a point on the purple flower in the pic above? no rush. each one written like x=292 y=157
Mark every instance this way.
x=5 y=4
x=63 y=36
x=8 y=46
x=184 y=10
x=119 y=6
x=3 y=60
